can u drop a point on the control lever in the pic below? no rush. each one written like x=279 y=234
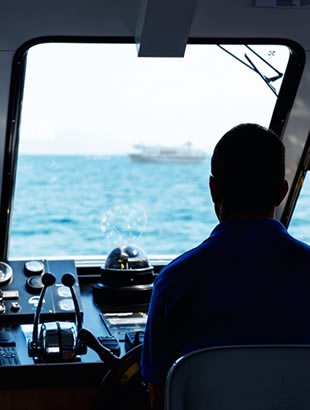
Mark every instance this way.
x=57 y=341
x=48 y=279
x=105 y=354
x=122 y=386
x=69 y=280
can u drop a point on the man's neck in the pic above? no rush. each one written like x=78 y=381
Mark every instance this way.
x=228 y=214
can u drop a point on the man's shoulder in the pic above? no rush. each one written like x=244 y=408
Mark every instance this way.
x=188 y=257
x=183 y=266
x=300 y=244
x=292 y=241
x=296 y=246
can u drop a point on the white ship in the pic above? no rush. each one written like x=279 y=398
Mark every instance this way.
x=160 y=153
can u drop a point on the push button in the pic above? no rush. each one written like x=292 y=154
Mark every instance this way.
x=15 y=307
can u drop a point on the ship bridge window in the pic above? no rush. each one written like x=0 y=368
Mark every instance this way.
x=115 y=149
x=300 y=222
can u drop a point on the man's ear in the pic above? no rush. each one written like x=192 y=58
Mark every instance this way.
x=215 y=190
x=283 y=192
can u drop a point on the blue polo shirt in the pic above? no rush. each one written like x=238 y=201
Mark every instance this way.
x=248 y=283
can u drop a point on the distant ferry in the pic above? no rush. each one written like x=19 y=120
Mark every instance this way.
x=159 y=153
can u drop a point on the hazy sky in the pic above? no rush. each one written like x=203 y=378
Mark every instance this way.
x=94 y=99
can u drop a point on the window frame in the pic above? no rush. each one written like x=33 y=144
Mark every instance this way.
x=278 y=121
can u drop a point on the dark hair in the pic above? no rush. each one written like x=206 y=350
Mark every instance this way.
x=249 y=164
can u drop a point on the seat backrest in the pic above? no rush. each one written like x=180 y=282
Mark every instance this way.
x=267 y=377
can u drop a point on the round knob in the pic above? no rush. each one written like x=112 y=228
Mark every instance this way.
x=15 y=307
x=34 y=284
x=68 y=279
x=33 y=268
x=48 y=279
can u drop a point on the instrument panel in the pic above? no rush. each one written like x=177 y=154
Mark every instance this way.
x=21 y=285
x=44 y=304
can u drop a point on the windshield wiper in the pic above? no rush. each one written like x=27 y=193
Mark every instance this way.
x=253 y=67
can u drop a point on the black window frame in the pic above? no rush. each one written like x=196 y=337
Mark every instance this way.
x=278 y=121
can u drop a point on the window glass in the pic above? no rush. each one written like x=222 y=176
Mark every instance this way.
x=300 y=223
x=116 y=149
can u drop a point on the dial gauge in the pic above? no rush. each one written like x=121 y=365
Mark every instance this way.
x=6 y=273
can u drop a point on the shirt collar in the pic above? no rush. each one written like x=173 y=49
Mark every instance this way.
x=248 y=224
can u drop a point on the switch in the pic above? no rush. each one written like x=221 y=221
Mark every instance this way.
x=15 y=307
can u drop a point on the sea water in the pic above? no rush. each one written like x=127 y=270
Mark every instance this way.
x=87 y=205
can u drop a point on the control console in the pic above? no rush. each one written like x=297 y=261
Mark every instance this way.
x=21 y=285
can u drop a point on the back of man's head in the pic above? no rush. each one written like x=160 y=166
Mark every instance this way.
x=248 y=164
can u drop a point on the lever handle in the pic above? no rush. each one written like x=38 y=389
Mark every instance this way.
x=69 y=280
x=48 y=279
x=105 y=354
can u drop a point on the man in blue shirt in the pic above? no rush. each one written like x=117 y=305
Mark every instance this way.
x=249 y=282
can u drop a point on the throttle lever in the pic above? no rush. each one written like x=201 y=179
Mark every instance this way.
x=105 y=354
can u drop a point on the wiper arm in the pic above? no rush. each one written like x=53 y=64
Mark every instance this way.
x=266 y=79
x=279 y=74
x=251 y=66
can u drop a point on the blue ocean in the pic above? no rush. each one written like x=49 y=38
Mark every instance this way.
x=87 y=205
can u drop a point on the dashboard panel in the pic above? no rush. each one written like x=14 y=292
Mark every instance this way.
x=113 y=323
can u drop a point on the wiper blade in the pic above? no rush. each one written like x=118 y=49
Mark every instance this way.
x=279 y=74
x=252 y=66
x=267 y=80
